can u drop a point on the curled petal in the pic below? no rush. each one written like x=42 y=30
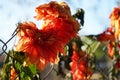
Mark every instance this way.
x=43 y=45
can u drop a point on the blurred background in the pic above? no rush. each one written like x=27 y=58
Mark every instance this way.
x=13 y=11
x=96 y=14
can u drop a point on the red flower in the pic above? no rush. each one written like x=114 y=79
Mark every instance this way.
x=79 y=68
x=111 y=50
x=58 y=17
x=115 y=22
x=53 y=10
x=13 y=74
x=42 y=46
x=107 y=35
x=115 y=14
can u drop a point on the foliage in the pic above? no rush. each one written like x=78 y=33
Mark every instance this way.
x=16 y=67
x=58 y=42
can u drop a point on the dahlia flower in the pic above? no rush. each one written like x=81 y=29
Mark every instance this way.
x=43 y=45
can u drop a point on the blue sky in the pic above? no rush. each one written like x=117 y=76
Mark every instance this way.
x=14 y=11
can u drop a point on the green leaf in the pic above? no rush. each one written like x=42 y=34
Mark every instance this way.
x=19 y=56
x=93 y=47
x=24 y=76
x=30 y=70
x=6 y=71
x=100 y=52
x=87 y=40
x=33 y=69
x=18 y=66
